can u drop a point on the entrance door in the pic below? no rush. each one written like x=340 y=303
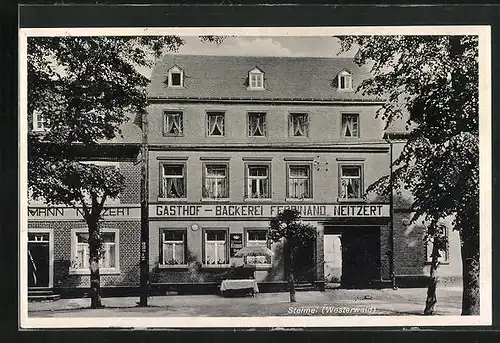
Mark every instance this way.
x=304 y=266
x=38 y=260
x=360 y=257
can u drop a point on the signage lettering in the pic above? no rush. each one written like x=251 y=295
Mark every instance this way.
x=70 y=213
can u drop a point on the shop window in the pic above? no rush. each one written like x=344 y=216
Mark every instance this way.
x=215 y=124
x=109 y=260
x=257 y=126
x=216 y=247
x=173 y=247
x=258 y=237
x=298 y=125
x=173 y=180
x=445 y=253
x=173 y=124
x=350 y=125
x=299 y=182
x=350 y=182
x=258 y=181
x=216 y=181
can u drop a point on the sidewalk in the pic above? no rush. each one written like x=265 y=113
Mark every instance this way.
x=405 y=301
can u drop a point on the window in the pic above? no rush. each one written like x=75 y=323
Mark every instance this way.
x=39 y=121
x=255 y=79
x=257 y=237
x=350 y=182
x=175 y=77
x=216 y=184
x=298 y=125
x=257 y=124
x=173 y=247
x=174 y=181
x=345 y=80
x=350 y=125
x=108 y=262
x=299 y=182
x=216 y=247
x=445 y=255
x=258 y=181
x=215 y=124
x=173 y=125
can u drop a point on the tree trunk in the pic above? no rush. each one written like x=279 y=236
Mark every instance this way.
x=431 y=300
x=291 y=278
x=94 y=250
x=470 y=264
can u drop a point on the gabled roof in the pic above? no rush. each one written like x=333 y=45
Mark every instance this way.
x=286 y=77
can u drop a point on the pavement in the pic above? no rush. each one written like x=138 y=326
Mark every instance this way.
x=331 y=302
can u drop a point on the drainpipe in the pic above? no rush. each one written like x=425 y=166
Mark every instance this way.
x=391 y=211
x=144 y=248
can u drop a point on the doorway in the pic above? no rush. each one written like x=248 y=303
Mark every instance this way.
x=39 y=259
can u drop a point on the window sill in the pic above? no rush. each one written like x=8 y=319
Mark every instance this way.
x=357 y=200
x=171 y=135
x=428 y=263
x=173 y=266
x=258 y=199
x=215 y=200
x=215 y=266
x=259 y=266
x=298 y=199
x=102 y=271
x=161 y=199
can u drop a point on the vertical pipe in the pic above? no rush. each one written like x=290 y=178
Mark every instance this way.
x=391 y=210
x=144 y=248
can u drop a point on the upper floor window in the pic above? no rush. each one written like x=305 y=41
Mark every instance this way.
x=258 y=237
x=257 y=126
x=215 y=124
x=216 y=183
x=298 y=125
x=256 y=79
x=345 y=80
x=299 y=182
x=173 y=124
x=258 y=181
x=39 y=121
x=174 y=180
x=173 y=247
x=350 y=182
x=175 y=77
x=350 y=125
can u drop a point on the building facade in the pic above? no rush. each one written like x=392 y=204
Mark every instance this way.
x=232 y=141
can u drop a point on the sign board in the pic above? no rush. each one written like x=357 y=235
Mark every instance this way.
x=173 y=211
x=235 y=243
x=118 y=212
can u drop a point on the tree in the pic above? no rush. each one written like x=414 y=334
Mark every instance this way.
x=85 y=88
x=434 y=80
x=288 y=226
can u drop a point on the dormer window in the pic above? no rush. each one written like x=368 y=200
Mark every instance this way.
x=345 y=80
x=175 y=77
x=256 y=79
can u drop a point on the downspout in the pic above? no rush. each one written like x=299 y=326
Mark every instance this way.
x=391 y=211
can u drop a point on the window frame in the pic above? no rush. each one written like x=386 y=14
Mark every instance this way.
x=429 y=245
x=310 y=178
x=86 y=271
x=165 y=115
x=207 y=123
x=204 y=247
x=247 y=165
x=291 y=128
x=162 y=194
x=358 y=131
x=361 y=182
x=162 y=242
x=35 y=122
x=175 y=70
x=347 y=76
x=257 y=73
x=246 y=231
x=204 y=178
x=264 y=114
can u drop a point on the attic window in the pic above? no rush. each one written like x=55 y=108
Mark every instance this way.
x=345 y=80
x=175 y=77
x=256 y=79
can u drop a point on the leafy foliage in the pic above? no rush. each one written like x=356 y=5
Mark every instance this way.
x=287 y=224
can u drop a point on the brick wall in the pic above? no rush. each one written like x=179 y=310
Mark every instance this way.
x=129 y=238
x=132 y=173
x=385 y=247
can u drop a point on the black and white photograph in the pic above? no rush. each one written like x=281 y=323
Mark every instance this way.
x=255 y=177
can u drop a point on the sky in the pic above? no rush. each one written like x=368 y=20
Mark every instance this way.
x=319 y=46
